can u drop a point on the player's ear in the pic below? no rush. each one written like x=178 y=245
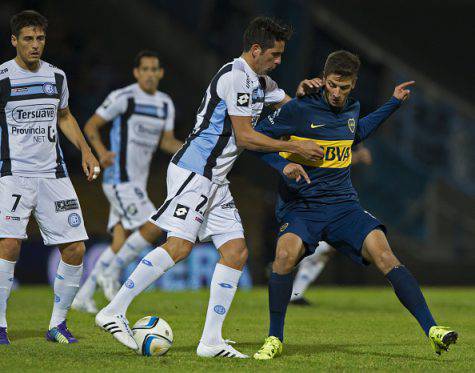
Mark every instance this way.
x=14 y=41
x=136 y=73
x=256 y=50
x=161 y=73
x=353 y=83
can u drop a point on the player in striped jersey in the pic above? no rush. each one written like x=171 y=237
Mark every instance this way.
x=33 y=176
x=199 y=202
x=142 y=118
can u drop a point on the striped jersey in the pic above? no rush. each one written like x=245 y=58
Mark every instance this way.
x=210 y=150
x=138 y=120
x=29 y=104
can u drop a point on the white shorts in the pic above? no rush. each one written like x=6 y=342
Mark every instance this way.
x=197 y=208
x=54 y=204
x=129 y=205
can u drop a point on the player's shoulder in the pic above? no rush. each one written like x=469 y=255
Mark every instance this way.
x=162 y=96
x=123 y=93
x=5 y=69
x=47 y=66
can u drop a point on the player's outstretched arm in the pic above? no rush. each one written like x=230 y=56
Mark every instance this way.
x=370 y=123
x=248 y=138
x=92 y=131
x=169 y=143
x=69 y=126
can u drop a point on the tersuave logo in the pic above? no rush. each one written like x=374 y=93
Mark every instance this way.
x=34 y=113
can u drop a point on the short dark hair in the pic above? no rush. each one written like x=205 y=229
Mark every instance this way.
x=27 y=18
x=342 y=63
x=145 y=53
x=265 y=31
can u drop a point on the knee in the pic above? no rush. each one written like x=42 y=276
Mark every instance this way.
x=237 y=257
x=285 y=260
x=73 y=254
x=150 y=232
x=10 y=249
x=178 y=248
x=385 y=261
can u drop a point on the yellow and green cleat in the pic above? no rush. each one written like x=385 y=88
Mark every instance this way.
x=271 y=348
x=441 y=337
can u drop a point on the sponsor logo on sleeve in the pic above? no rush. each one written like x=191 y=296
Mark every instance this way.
x=243 y=99
x=66 y=205
x=74 y=220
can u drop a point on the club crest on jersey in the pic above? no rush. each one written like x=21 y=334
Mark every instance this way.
x=351 y=125
x=74 y=220
x=242 y=99
x=49 y=89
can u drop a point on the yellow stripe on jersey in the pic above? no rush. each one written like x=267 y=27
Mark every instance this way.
x=336 y=153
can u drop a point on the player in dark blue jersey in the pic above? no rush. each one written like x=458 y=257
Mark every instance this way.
x=326 y=207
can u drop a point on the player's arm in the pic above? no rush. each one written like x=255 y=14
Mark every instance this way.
x=92 y=131
x=169 y=143
x=361 y=155
x=70 y=128
x=370 y=123
x=305 y=87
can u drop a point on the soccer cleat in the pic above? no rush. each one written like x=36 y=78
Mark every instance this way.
x=441 y=337
x=300 y=302
x=222 y=350
x=84 y=305
x=109 y=284
x=271 y=348
x=118 y=326
x=4 y=336
x=60 y=334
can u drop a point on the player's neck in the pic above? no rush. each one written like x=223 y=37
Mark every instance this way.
x=150 y=91
x=247 y=57
x=33 y=67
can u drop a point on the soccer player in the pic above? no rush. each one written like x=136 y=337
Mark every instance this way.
x=142 y=119
x=33 y=178
x=326 y=208
x=199 y=202
x=312 y=266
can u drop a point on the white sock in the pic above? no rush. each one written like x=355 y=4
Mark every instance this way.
x=222 y=289
x=89 y=287
x=66 y=285
x=6 y=281
x=309 y=269
x=151 y=267
x=131 y=248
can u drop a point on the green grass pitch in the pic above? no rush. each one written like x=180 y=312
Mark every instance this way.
x=347 y=329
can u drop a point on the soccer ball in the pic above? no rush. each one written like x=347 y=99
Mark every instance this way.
x=153 y=336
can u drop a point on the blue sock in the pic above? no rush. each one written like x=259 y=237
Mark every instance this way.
x=409 y=293
x=280 y=289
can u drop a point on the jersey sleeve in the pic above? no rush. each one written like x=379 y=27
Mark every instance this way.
x=236 y=91
x=281 y=122
x=64 y=97
x=274 y=94
x=114 y=105
x=170 y=121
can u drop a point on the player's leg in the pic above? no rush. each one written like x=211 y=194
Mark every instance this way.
x=9 y=254
x=233 y=250
x=376 y=249
x=290 y=249
x=66 y=285
x=308 y=271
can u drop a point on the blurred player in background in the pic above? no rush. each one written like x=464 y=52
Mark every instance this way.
x=142 y=118
x=312 y=266
x=33 y=177
x=199 y=202
x=326 y=206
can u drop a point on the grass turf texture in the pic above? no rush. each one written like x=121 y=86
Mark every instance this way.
x=347 y=329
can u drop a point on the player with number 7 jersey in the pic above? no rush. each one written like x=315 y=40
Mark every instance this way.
x=33 y=176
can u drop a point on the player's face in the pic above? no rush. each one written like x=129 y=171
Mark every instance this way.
x=337 y=89
x=268 y=60
x=148 y=74
x=30 y=44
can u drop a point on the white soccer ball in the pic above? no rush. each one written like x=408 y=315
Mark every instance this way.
x=153 y=336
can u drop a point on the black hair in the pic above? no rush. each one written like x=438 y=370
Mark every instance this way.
x=142 y=54
x=265 y=31
x=342 y=63
x=27 y=18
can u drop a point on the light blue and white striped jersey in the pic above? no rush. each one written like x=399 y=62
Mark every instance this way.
x=210 y=150
x=29 y=103
x=138 y=120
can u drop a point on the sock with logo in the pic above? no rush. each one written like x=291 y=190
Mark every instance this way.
x=131 y=248
x=6 y=281
x=150 y=268
x=222 y=290
x=89 y=287
x=280 y=288
x=66 y=285
x=410 y=295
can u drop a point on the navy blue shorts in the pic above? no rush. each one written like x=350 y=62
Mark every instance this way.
x=342 y=225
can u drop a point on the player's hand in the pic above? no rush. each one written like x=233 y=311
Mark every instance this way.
x=90 y=165
x=309 y=86
x=296 y=172
x=309 y=150
x=106 y=159
x=363 y=155
x=401 y=93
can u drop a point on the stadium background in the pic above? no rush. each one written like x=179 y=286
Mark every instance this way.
x=422 y=181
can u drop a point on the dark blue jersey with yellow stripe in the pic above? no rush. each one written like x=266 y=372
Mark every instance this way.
x=312 y=118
